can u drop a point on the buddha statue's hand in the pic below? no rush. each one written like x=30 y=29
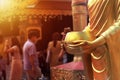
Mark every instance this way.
x=86 y=46
x=80 y=46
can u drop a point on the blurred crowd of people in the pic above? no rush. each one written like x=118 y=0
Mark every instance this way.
x=29 y=59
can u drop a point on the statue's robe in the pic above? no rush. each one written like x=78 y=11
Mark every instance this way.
x=104 y=20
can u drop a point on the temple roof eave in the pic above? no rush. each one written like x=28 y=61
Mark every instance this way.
x=43 y=12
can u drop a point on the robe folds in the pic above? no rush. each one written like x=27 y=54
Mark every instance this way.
x=104 y=20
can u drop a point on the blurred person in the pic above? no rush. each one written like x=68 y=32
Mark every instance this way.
x=2 y=57
x=16 y=64
x=43 y=65
x=53 y=50
x=40 y=46
x=3 y=68
x=65 y=56
x=30 y=57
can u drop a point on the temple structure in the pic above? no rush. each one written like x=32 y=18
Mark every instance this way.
x=46 y=17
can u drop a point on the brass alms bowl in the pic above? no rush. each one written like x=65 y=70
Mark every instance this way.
x=74 y=36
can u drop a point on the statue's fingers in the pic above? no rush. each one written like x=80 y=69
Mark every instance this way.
x=77 y=41
x=75 y=45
